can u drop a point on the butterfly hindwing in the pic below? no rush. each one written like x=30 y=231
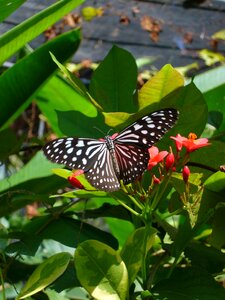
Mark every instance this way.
x=102 y=174
x=132 y=161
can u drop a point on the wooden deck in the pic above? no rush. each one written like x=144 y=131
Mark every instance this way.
x=185 y=29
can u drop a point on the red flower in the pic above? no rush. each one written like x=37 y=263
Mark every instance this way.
x=191 y=143
x=74 y=181
x=155 y=156
x=186 y=173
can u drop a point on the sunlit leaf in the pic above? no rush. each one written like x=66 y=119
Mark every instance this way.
x=166 y=81
x=107 y=277
x=45 y=274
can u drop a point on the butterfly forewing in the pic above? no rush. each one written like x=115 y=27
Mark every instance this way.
x=149 y=129
x=90 y=155
x=75 y=153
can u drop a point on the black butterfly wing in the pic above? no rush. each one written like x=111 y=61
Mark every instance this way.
x=102 y=174
x=131 y=145
x=90 y=155
x=148 y=130
x=132 y=161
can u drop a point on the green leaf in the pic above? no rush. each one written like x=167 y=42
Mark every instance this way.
x=210 y=81
x=216 y=183
x=53 y=295
x=166 y=81
x=112 y=85
x=75 y=82
x=84 y=194
x=217 y=238
x=45 y=274
x=114 y=119
x=193 y=110
x=64 y=110
x=37 y=167
x=184 y=235
x=19 y=84
x=10 y=144
x=18 y=36
x=116 y=222
x=8 y=6
x=212 y=85
x=55 y=228
x=101 y=271
x=136 y=248
x=189 y=284
x=205 y=257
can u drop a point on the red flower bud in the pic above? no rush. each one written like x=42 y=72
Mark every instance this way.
x=156 y=180
x=74 y=181
x=186 y=173
x=169 y=161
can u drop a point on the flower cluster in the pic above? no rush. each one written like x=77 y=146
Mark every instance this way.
x=190 y=144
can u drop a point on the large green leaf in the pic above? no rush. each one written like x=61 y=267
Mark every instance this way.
x=114 y=81
x=210 y=80
x=213 y=203
x=19 y=83
x=9 y=6
x=189 y=284
x=64 y=110
x=101 y=271
x=206 y=257
x=166 y=81
x=212 y=85
x=37 y=167
x=45 y=274
x=17 y=37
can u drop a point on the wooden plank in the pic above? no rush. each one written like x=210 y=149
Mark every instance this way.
x=176 y=21
x=198 y=4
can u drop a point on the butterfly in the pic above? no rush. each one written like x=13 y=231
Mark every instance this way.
x=122 y=156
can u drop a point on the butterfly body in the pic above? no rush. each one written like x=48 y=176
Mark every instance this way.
x=122 y=156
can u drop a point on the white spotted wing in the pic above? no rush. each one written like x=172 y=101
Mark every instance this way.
x=108 y=160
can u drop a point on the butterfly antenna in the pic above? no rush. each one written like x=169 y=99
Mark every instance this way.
x=103 y=133
x=108 y=133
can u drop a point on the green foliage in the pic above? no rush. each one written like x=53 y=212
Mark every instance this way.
x=23 y=33
x=7 y=7
x=108 y=275
x=162 y=240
